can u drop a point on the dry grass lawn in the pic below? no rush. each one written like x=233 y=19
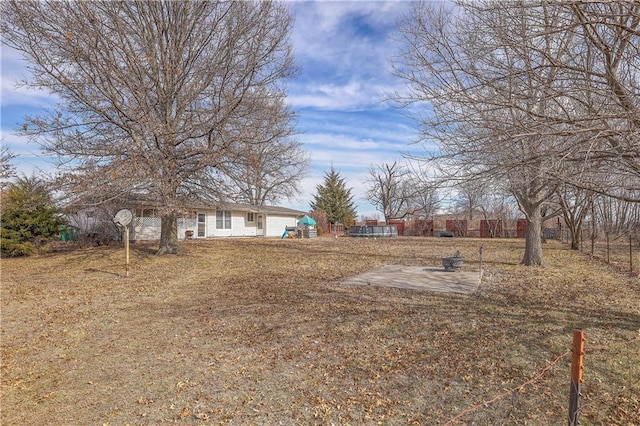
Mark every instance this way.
x=260 y=331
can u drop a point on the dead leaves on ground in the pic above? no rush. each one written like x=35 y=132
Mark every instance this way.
x=261 y=331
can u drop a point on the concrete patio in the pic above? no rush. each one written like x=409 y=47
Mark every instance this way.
x=423 y=278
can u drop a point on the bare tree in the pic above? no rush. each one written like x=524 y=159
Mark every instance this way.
x=605 y=118
x=269 y=164
x=399 y=191
x=265 y=174
x=7 y=169
x=498 y=210
x=424 y=198
x=389 y=190
x=425 y=203
x=470 y=197
x=575 y=204
x=486 y=199
x=518 y=90
x=153 y=93
x=615 y=216
x=476 y=67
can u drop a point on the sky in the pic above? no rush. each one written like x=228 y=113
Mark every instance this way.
x=342 y=49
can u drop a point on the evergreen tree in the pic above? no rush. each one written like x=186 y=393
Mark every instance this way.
x=29 y=217
x=335 y=199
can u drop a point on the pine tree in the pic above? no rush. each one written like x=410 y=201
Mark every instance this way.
x=335 y=199
x=29 y=217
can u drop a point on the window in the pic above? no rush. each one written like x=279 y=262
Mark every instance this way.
x=251 y=217
x=223 y=219
x=202 y=224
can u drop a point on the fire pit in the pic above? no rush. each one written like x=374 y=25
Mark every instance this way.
x=453 y=263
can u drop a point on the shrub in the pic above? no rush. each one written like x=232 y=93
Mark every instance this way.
x=29 y=218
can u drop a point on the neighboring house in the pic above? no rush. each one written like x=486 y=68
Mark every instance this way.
x=222 y=220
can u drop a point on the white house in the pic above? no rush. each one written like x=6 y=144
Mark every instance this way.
x=221 y=220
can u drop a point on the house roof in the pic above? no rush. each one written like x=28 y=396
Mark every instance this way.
x=144 y=201
x=242 y=207
x=258 y=209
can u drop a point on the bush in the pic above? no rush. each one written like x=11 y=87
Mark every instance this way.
x=29 y=218
x=11 y=246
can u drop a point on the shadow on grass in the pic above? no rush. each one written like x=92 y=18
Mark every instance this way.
x=94 y=270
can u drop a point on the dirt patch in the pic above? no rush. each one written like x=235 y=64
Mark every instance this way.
x=260 y=331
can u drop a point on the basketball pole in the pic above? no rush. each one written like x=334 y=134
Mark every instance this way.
x=126 y=251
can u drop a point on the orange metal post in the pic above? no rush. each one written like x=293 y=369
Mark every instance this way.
x=576 y=376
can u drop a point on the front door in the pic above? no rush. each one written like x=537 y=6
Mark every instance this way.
x=260 y=225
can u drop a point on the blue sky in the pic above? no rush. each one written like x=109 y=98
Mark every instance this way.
x=343 y=50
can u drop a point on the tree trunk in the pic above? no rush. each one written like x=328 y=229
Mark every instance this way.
x=168 y=235
x=575 y=238
x=533 y=239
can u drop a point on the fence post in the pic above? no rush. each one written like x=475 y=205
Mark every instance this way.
x=576 y=377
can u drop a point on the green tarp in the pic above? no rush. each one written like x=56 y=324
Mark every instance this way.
x=306 y=220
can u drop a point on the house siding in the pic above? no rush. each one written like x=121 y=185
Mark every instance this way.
x=185 y=224
x=275 y=225
x=148 y=228
x=238 y=228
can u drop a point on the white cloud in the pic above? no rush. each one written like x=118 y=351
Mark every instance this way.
x=343 y=48
x=319 y=142
x=29 y=157
x=352 y=95
x=14 y=73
